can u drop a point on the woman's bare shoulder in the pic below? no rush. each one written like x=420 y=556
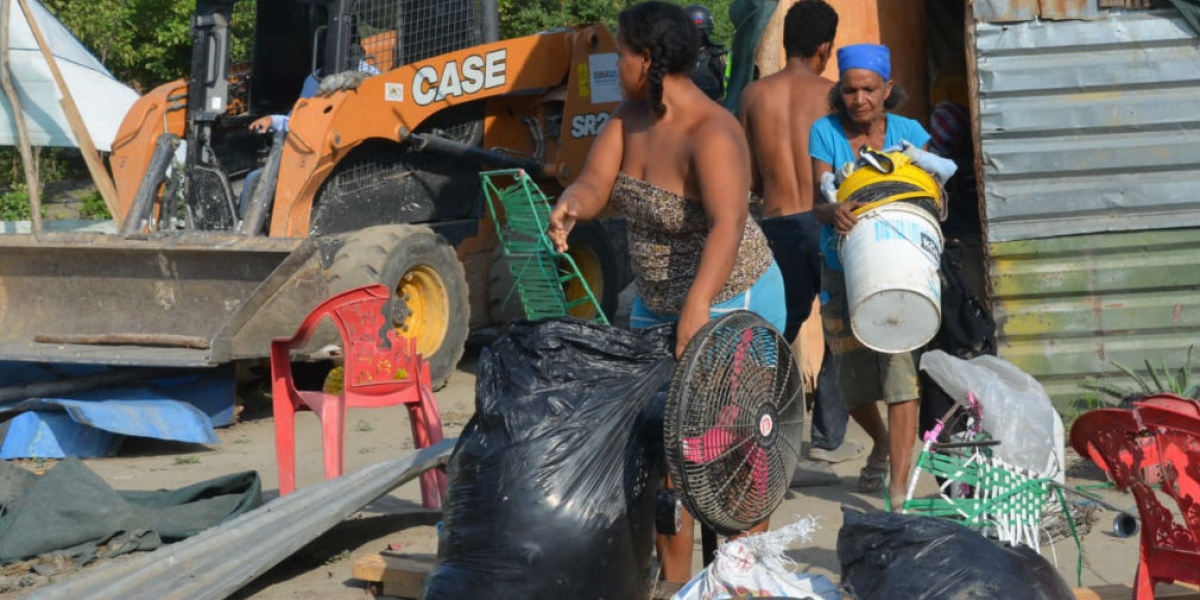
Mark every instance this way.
x=715 y=124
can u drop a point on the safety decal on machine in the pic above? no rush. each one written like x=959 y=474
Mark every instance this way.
x=581 y=73
x=393 y=92
x=602 y=78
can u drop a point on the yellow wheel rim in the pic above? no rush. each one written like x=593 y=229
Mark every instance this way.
x=589 y=267
x=428 y=317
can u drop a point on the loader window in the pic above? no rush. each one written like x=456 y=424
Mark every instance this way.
x=282 y=53
x=392 y=33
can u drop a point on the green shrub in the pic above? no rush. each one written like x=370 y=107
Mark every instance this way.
x=1156 y=380
x=14 y=205
x=93 y=207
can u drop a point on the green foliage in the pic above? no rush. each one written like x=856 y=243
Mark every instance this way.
x=93 y=208
x=148 y=42
x=526 y=17
x=145 y=42
x=14 y=205
x=1157 y=379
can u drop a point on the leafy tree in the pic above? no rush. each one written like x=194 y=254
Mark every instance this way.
x=525 y=17
x=144 y=43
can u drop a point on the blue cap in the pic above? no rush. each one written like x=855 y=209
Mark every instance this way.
x=872 y=57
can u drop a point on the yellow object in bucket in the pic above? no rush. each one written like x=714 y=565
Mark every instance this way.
x=919 y=184
x=891 y=257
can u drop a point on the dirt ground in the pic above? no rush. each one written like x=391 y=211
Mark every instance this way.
x=323 y=568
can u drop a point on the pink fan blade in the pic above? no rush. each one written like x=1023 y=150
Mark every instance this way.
x=713 y=442
x=758 y=465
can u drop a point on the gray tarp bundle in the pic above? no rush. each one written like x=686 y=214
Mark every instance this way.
x=71 y=508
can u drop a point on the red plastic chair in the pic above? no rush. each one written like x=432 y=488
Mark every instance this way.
x=381 y=369
x=1136 y=447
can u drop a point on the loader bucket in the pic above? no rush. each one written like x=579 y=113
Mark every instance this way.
x=194 y=299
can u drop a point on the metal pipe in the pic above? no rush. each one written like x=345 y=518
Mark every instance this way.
x=263 y=194
x=143 y=201
x=491 y=20
x=433 y=143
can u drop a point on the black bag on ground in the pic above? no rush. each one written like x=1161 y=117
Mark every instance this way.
x=889 y=555
x=552 y=485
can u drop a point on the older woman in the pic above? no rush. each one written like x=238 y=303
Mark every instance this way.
x=676 y=164
x=861 y=100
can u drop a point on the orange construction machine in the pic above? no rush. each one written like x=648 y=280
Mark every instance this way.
x=385 y=112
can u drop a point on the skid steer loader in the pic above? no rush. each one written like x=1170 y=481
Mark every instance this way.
x=374 y=180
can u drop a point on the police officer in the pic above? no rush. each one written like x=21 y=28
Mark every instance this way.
x=709 y=74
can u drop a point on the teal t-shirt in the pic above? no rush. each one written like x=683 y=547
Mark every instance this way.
x=827 y=143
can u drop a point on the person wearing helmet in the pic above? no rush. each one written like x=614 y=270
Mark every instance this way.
x=709 y=73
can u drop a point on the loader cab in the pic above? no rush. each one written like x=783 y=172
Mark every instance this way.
x=287 y=41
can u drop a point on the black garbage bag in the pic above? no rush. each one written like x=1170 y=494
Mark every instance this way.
x=889 y=555
x=552 y=484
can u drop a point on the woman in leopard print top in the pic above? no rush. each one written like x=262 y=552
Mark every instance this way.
x=677 y=165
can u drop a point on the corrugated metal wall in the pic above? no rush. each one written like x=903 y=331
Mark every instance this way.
x=1090 y=126
x=1090 y=135
x=1067 y=307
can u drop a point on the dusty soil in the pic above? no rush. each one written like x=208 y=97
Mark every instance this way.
x=322 y=569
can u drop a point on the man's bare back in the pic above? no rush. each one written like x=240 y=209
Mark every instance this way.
x=777 y=113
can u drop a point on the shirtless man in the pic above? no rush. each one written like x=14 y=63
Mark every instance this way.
x=777 y=113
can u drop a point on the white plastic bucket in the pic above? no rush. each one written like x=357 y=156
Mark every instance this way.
x=891 y=260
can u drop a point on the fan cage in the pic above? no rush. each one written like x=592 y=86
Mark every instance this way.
x=734 y=421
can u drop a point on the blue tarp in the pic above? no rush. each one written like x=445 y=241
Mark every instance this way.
x=92 y=422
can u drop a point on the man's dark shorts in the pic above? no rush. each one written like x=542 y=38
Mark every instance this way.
x=795 y=241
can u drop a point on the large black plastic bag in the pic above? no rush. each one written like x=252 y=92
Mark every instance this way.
x=552 y=485
x=890 y=556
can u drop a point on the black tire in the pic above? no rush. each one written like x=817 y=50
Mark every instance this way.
x=430 y=284
x=596 y=259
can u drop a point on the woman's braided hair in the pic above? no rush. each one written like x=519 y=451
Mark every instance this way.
x=664 y=31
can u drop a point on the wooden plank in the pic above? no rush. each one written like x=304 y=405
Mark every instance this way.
x=18 y=117
x=83 y=139
x=399 y=575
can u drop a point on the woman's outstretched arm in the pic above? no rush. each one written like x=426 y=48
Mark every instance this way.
x=589 y=194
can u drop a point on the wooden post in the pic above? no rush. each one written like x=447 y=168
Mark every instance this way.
x=18 y=114
x=95 y=166
x=769 y=57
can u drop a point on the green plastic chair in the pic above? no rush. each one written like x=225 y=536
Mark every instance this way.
x=1005 y=501
x=521 y=212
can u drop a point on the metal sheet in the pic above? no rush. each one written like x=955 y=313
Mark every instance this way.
x=1012 y=11
x=1006 y=11
x=1089 y=126
x=219 y=561
x=1068 y=308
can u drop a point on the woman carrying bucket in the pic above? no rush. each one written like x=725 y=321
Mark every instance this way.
x=872 y=335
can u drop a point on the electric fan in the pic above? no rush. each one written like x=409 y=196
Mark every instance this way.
x=733 y=422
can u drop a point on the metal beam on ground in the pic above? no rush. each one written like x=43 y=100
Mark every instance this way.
x=218 y=562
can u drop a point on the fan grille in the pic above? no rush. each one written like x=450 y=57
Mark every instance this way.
x=734 y=420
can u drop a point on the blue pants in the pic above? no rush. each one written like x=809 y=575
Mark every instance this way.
x=765 y=298
x=796 y=242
